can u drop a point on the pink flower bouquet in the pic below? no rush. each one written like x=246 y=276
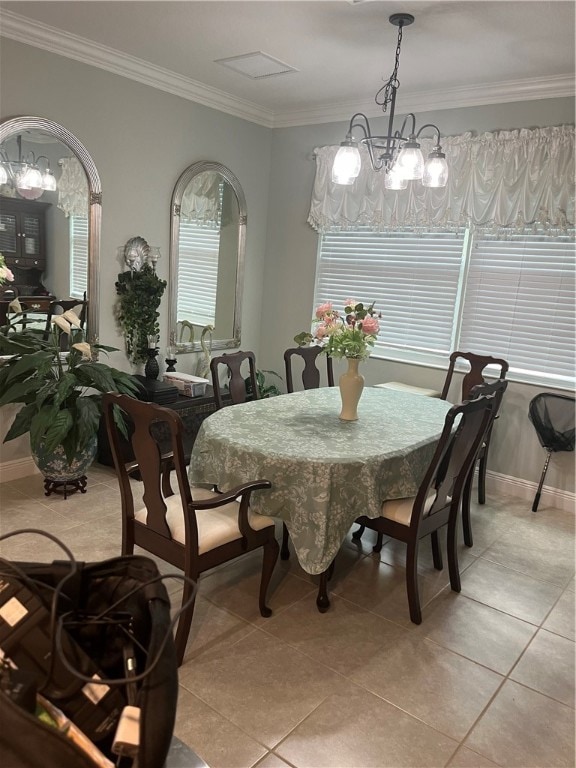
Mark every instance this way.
x=350 y=335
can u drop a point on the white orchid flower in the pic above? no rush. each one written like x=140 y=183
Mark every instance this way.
x=72 y=318
x=63 y=324
x=84 y=348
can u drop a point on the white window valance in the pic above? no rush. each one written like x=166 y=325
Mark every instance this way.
x=72 y=188
x=202 y=199
x=509 y=179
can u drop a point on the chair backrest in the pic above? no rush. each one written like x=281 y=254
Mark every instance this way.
x=148 y=426
x=464 y=429
x=236 y=383
x=553 y=418
x=475 y=375
x=310 y=372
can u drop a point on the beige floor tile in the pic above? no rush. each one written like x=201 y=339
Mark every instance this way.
x=474 y=630
x=345 y=638
x=237 y=586
x=272 y=761
x=213 y=630
x=261 y=684
x=548 y=667
x=219 y=742
x=524 y=729
x=561 y=618
x=355 y=729
x=441 y=688
x=548 y=556
x=394 y=553
x=509 y=591
x=381 y=588
x=465 y=758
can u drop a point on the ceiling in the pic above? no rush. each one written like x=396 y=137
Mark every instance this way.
x=455 y=54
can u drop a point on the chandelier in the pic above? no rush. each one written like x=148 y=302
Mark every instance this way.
x=25 y=174
x=398 y=155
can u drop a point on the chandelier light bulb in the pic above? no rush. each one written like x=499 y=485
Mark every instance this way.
x=347 y=164
x=411 y=161
x=436 y=169
x=48 y=181
x=395 y=179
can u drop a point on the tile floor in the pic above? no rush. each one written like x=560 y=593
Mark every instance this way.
x=486 y=680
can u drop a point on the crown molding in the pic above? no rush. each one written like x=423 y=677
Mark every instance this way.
x=62 y=43
x=39 y=35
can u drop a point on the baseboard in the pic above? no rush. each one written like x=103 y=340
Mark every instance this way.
x=497 y=483
x=17 y=468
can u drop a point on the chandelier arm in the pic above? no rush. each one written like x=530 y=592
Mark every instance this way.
x=435 y=127
x=377 y=163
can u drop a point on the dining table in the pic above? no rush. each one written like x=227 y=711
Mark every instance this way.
x=324 y=472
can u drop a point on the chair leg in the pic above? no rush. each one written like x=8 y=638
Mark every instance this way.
x=378 y=546
x=412 y=582
x=269 y=558
x=482 y=479
x=466 y=500
x=541 y=483
x=436 y=551
x=184 y=622
x=452 y=546
x=357 y=535
x=285 y=551
x=127 y=547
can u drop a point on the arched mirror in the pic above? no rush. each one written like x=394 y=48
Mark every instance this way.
x=208 y=234
x=50 y=228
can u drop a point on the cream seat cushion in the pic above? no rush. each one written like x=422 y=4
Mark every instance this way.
x=409 y=388
x=215 y=526
x=400 y=510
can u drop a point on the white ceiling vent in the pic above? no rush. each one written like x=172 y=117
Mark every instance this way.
x=257 y=65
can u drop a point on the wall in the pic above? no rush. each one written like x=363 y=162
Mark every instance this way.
x=141 y=140
x=291 y=264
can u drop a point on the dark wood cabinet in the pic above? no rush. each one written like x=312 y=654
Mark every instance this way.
x=23 y=242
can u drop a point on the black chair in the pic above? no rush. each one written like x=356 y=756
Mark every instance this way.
x=236 y=379
x=438 y=499
x=193 y=530
x=472 y=378
x=310 y=372
x=497 y=389
x=553 y=419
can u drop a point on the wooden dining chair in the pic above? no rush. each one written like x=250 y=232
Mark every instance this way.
x=236 y=379
x=496 y=389
x=310 y=380
x=192 y=529
x=310 y=371
x=438 y=499
x=472 y=378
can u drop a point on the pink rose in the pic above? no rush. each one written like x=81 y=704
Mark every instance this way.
x=370 y=325
x=323 y=309
x=321 y=331
x=6 y=274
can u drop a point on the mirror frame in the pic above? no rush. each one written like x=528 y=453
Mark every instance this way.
x=16 y=125
x=175 y=206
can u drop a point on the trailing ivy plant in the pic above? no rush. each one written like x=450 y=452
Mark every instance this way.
x=139 y=295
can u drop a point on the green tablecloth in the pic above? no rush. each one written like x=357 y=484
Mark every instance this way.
x=324 y=472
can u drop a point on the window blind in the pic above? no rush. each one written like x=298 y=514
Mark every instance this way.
x=413 y=280
x=519 y=304
x=198 y=272
x=78 y=256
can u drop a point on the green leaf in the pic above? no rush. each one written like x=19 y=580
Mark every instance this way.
x=19 y=391
x=40 y=423
x=96 y=375
x=66 y=384
x=303 y=338
x=22 y=422
x=59 y=427
x=88 y=412
x=31 y=362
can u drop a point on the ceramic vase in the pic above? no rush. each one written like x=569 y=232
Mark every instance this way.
x=54 y=465
x=351 y=384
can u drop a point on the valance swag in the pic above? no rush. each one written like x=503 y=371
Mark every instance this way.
x=201 y=201
x=508 y=179
x=72 y=188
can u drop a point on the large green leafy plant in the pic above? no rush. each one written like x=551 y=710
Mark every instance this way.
x=60 y=391
x=140 y=293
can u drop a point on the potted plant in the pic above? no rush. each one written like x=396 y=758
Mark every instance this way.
x=139 y=294
x=60 y=393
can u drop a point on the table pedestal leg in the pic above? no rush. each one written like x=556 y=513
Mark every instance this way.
x=323 y=601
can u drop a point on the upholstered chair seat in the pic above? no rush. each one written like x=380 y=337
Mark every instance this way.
x=400 y=510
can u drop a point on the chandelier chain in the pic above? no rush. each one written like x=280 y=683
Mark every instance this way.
x=384 y=95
